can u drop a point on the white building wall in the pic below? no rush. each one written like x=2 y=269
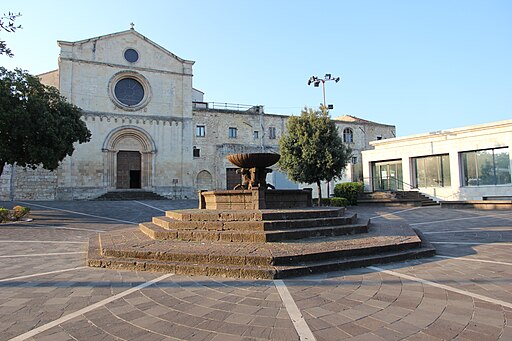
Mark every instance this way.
x=452 y=142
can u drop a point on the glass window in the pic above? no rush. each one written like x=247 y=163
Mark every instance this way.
x=348 y=135
x=502 y=166
x=196 y=152
x=433 y=171
x=354 y=160
x=271 y=132
x=255 y=134
x=486 y=167
x=200 y=131
x=232 y=132
x=387 y=176
x=131 y=55
x=129 y=91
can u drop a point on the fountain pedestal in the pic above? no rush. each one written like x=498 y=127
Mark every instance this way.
x=255 y=199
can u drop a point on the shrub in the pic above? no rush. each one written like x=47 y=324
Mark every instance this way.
x=16 y=213
x=337 y=202
x=348 y=190
x=325 y=202
x=19 y=212
x=4 y=214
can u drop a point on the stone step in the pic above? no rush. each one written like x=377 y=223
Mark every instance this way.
x=155 y=231
x=229 y=265
x=396 y=198
x=255 y=215
x=169 y=223
x=130 y=195
x=352 y=262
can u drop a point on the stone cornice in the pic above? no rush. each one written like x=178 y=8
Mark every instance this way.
x=134 y=118
x=125 y=32
x=125 y=67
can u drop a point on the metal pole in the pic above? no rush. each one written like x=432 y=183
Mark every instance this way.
x=323 y=88
x=325 y=113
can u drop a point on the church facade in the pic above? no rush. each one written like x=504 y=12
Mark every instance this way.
x=151 y=130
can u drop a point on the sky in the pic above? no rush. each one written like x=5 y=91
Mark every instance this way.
x=422 y=66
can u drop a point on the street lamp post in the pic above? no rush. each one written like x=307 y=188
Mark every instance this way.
x=316 y=83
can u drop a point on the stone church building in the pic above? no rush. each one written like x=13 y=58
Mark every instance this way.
x=151 y=130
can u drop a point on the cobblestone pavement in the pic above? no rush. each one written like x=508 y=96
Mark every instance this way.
x=46 y=292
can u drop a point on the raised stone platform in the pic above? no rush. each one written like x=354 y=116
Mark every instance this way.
x=264 y=243
x=498 y=204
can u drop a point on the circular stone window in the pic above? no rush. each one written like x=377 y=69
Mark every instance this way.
x=131 y=55
x=129 y=90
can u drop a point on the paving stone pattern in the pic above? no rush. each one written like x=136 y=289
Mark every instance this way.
x=44 y=279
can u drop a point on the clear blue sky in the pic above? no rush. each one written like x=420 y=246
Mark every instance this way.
x=420 y=65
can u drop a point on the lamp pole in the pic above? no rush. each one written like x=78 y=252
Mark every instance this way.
x=316 y=83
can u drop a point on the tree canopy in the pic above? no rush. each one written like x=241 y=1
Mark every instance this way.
x=312 y=150
x=38 y=127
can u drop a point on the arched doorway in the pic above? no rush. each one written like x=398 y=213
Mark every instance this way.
x=128 y=158
x=128 y=169
x=204 y=180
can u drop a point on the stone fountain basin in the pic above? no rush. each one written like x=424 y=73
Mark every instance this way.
x=253 y=160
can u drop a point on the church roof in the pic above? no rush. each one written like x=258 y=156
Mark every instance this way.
x=129 y=31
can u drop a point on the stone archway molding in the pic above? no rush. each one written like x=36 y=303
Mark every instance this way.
x=116 y=135
x=143 y=143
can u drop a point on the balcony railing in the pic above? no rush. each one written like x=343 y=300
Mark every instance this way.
x=390 y=183
x=223 y=106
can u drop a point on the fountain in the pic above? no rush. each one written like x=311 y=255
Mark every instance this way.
x=253 y=192
x=253 y=168
x=254 y=231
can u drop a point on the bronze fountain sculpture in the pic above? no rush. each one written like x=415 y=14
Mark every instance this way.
x=253 y=168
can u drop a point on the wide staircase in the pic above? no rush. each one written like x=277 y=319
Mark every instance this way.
x=256 y=244
x=395 y=198
x=130 y=195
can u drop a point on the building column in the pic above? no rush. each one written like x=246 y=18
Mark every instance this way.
x=455 y=174
x=407 y=173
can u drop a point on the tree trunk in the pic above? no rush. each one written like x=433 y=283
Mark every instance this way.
x=318 y=184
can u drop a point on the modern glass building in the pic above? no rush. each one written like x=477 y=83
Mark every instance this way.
x=465 y=163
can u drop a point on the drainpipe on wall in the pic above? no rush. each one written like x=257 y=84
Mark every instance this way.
x=262 y=128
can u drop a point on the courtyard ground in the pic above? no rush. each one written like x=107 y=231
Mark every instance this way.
x=47 y=292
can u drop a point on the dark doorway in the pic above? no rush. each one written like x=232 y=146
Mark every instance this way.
x=134 y=178
x=128 y=170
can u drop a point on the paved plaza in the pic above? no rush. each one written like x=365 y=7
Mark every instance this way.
x=47 y=292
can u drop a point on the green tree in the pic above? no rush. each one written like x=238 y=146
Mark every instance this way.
x=312 y=150
x=7 y=25
x=38 y=127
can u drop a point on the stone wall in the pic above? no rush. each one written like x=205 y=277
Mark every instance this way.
x=216 y=144
x=34 y=184
x=162 y=127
